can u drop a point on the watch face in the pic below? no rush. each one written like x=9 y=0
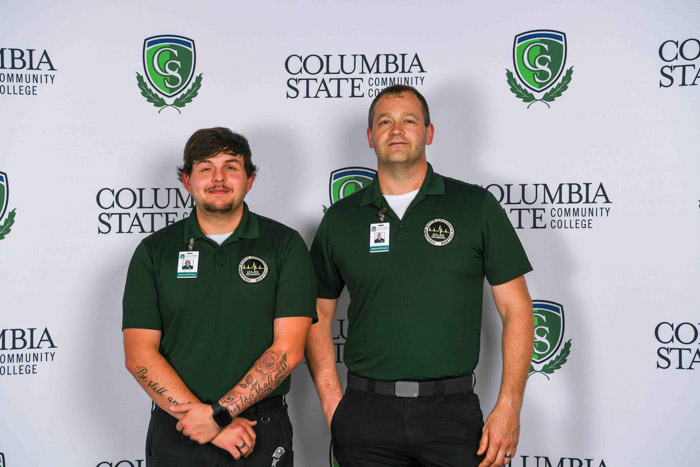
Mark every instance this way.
x=222 y=417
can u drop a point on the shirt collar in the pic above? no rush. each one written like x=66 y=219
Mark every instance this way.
x=432 y=185
x=247 y=228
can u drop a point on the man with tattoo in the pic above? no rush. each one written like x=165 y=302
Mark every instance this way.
x=217 y=308
x=415 y=309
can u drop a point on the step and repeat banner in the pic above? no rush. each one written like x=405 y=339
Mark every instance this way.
x=580 y=117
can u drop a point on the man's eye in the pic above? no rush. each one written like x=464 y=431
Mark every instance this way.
x=232 y=167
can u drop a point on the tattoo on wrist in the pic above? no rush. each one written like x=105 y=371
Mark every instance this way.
x=268 y=372
x=155 y=386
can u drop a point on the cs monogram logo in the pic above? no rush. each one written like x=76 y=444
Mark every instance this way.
x=169 y=63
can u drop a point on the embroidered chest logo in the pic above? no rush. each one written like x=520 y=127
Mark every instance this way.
x=439 y=232
x=252 y=269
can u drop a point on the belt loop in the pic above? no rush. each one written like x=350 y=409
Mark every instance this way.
x=439 y=391
x=262 y=411
x=369 y=395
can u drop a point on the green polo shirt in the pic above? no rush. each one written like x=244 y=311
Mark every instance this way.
x=415 y=310
x=216 y=325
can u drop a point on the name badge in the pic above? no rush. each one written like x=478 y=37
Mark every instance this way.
x=379 y=238
x=187 y=263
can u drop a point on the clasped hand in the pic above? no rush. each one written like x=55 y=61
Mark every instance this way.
x=197 y=423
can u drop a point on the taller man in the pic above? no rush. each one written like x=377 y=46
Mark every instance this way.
x=217 y=308
x=415 y=307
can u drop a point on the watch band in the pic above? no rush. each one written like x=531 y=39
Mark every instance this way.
x=221 y=415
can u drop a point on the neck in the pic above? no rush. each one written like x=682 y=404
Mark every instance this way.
x=395 y=179
x=219 y=223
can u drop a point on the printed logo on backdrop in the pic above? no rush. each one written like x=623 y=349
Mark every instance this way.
x=549 y=335
x=539 y=58
x=2 y=460
x=546 y=461
x=679 y=347
x=6 y=222
x=548 y=206
x=681 y=60
x=346 y=181
x=23 y=351
x=169 y=64
x=130 y=210
x=24 y=71
x=122 y=463
x=339 y=76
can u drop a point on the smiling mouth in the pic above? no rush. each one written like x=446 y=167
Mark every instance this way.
x=219 y=191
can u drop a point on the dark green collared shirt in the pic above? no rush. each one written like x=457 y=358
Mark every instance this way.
x=216 y=325
x=415 y=310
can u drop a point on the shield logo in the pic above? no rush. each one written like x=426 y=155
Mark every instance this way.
x=4 y=194
x=549 y=329
x=539 y=58
x=344 y=182
x=169 y=62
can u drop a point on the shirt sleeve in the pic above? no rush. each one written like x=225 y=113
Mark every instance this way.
x=329 y=283
x=504 y=256
x=140 y=303
x=296 y=285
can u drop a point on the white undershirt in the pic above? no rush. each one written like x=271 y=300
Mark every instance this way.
x=220 y=238
x=399 y=203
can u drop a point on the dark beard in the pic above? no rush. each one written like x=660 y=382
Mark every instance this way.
x=218 y=208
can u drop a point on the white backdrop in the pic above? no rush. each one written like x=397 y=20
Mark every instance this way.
x=626 y=395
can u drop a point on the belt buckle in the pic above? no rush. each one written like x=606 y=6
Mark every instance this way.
x=406 y=388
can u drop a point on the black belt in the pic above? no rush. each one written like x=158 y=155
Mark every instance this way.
x=459 y=385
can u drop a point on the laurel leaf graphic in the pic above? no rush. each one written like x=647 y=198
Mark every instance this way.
x=559 y=360
x=5 y=227
x=519 y=91
x=559 y=89
x=148 y=93
x=190 y=94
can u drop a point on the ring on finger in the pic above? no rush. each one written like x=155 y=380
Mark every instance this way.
x=508 y=456
x=242 y=445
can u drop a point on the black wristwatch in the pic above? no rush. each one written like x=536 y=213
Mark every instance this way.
x=221 y=415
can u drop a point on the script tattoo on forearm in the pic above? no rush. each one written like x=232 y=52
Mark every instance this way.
x=268 y=372
x=155 y=386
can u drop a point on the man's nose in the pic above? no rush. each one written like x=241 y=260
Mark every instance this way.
x=396 y=129
x=219 y=174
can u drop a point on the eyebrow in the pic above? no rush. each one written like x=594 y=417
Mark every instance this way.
x=405 y=114
x=238 y=159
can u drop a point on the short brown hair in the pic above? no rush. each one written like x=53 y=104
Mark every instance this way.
x=209 y=142
x=397 y=90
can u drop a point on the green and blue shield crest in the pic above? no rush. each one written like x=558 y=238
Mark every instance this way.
x=539 y=58
x=4 y=194
x=344 y=182
x=169 y=63
x=549 y=329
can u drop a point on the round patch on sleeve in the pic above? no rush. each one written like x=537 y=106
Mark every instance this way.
x=439 y=232
x=252 y=269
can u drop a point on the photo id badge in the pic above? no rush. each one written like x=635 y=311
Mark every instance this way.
x=379 y=237
x=187 y=263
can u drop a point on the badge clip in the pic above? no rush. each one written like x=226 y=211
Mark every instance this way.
x=381 y=213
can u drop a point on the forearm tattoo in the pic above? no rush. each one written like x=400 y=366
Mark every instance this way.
x=267 y=373
x=155 y=386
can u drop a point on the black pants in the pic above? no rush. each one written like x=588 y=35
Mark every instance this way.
x=167 y=447
x=371 y=430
